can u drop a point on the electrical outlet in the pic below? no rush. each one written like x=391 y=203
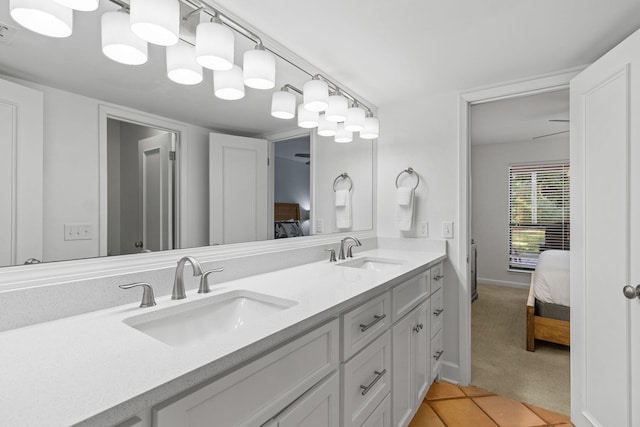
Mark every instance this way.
x=447 y=230
x=78 y=232
x=423 y=229
x=319 y=226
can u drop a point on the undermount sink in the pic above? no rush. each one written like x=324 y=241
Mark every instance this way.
x=199 y=321
x=374 y=264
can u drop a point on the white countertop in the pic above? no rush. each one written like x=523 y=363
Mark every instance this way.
x=95 y=369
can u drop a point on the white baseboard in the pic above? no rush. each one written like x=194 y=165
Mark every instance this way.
x=450 y=372
x=503 y=283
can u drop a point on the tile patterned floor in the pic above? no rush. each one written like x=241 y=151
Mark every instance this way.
x=449 y=405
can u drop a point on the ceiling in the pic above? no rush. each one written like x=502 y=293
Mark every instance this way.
x=520 y=119
x=288 y=149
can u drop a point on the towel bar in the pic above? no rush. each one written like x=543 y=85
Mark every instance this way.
x=410 y=171
x=342 y=176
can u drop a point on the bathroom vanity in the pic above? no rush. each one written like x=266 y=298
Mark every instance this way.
x=350 y=343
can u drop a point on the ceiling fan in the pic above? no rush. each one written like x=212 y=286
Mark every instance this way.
x=555 y=133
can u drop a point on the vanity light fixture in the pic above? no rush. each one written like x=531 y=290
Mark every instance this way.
x=327 y=128
x=118 y=41
x=259 y=68
x=156 y=21
x=283 y=104
x=182 y=66
x=228 y=84
x=43 y=17
x=214 y=45
x=343 y=136
x=355 y=118
x=316 y=94
x=337 y=108
x=307 y=119
x=371 y=129
x=81 y=5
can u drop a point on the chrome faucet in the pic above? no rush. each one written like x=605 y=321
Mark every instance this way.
x=178 y=282
x=349 y=252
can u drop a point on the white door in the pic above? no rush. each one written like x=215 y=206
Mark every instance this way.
x=21 y=171
x=605 y=239
x=238 y=184
x=155 y=186
x=319 y=407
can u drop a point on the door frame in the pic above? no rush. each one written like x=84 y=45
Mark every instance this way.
x=180 y=197
x=532 y=86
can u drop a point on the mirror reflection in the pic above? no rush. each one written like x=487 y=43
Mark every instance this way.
x=129 y=161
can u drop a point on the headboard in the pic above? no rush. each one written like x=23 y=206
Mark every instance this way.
x=285 y=211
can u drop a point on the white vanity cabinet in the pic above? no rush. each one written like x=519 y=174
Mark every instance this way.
x=437 y=319
x=255 y=393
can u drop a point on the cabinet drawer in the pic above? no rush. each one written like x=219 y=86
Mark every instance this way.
x=254 y=393
x=437 y=354
x=317 y=407
x=437 y=277
x=381 y=416
x=407 y=295
x=363 y=324
x=366 y=380
x=437 y=312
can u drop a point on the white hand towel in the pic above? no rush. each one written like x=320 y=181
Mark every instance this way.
x=404 y=212
x=404 y=196
x=341 y=197
x=343 y=213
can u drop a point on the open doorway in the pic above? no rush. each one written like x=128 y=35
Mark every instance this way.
x=141 y=187
x=519 y=219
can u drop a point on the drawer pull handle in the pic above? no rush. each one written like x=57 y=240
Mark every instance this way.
x=438 y=277
x=438 y=354
x=366 y=388
x=418 y=328
x=375 y=320
x=438 y=312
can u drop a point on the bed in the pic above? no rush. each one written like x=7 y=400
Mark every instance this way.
x=548 y=311
x=287 y=220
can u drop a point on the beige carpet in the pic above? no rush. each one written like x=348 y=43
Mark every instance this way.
x=500 y=362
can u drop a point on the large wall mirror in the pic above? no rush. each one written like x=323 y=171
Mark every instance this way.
x=132 y=162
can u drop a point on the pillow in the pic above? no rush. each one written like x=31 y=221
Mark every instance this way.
x=289 y=228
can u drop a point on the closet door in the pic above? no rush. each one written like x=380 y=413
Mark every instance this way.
x=605 y=239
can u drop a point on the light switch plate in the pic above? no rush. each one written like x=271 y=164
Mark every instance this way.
x=78 y=232
x=447 y=230
x=423 y=229
x=319 y=226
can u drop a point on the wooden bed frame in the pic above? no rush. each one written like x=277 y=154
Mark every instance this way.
x=286 y=211
x=544 y=328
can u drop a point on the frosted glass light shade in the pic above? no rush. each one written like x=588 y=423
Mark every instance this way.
x=316 y=95
x=214 y=46
x=156 y=21
x=307 y=119
x=259 y=69
x=327 y=128
x=118 y=41
x=371 y=129
x=337 y=108
x=343 y=136
x=228 y=84
x=43 y=17
x=355 y=119
x=283 y=105
x=182 y=66
x=82 y=5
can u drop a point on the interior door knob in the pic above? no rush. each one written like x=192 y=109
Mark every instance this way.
x=631 y=292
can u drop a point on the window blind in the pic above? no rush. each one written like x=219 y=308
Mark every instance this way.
x=538 y=212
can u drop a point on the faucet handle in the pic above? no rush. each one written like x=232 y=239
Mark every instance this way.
x=204 y=284
x=148 y=300
x=350 y=250
x=332 y=256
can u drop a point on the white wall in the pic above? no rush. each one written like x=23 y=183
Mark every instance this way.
x=423 y=133
x=490 y=201
x=330 y=160
x=113 y=187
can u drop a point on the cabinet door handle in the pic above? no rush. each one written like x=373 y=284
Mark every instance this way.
x=375 y=320
x=366 y=388
x=438 y=354
x=418 y=328
x=438 y=277
x=438 y=312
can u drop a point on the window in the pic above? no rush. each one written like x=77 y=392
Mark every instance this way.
x=538 y=212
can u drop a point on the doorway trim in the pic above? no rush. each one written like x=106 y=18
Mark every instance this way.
x=535 y=85
x=123 y=114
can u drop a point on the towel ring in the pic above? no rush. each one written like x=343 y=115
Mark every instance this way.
x=342 y=176
x=410 y=171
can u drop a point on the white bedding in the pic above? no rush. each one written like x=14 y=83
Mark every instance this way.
x=551 y=281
